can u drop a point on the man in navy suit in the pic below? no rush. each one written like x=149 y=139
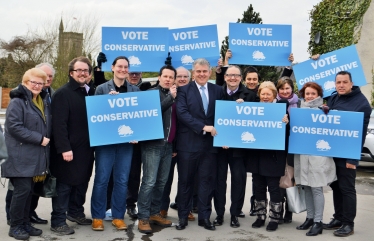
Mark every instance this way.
x=195 y=111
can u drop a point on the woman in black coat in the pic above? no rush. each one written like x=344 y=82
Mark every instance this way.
x=267 y=166
x=27 y=133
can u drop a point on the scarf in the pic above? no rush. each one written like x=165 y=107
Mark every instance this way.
x=293 y=99
x=38 y=102
x=312 y=104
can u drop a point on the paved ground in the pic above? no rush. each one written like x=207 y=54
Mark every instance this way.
x=363 y=228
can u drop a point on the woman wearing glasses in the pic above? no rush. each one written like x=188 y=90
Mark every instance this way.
x=27 y=133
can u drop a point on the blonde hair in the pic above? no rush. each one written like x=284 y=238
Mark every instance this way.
x=267 y=84
x=34 y=72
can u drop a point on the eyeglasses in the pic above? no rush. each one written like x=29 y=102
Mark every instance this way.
x=34 y=83
x=136 y=74
x=233 y=75
x=182 y=76
x=79 y=71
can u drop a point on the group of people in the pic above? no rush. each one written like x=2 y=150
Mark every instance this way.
x=47 y=132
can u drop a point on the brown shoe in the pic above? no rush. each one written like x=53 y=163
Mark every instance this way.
x=164 y=213
x=97 y=224
x=191 y=217
x=144 y=227
x=159 y=220
x=119 y=224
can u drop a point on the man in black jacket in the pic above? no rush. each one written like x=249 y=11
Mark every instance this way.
x=71 y=156
x=348 y=98
x=233 y=91
x=156 y=156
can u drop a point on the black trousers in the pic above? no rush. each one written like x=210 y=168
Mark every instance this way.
x=203 y=164
x=238 y=182
x=21 y=200
x=70 y=200
x=134 y=177
x=262 y=184
x=167 y=189
x=33 y=204
x=344 y=195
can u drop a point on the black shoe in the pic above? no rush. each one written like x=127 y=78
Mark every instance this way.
x=79 y=220
x=218 y=221
x=174 y=206
x=195 y=210
x=234 y=222
x=35 y=219
x=31 y=230
x=241 y=214
x=132 y=213
x=252 y=213
x=306 y=225
x=183 y=222
x=18 y=232
x=258 y=223
x=333 y=224
x=206 y=224
x=315 y=230
x=63 y=230
x=344 y=231
x=272 y=226
x=287 y=217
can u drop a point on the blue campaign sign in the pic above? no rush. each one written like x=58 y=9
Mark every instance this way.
x=188 y=44
x=133 y=116
x=146 y=48
x=250 y=125
x=338 y=134
x=323 y=70
x=260 y=44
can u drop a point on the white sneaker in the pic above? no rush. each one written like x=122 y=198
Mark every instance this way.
x=108 y=215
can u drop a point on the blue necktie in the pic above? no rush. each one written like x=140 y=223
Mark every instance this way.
x=204 y=99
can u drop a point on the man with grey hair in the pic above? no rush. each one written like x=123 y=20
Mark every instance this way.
x=50 y=71
x=196 y=154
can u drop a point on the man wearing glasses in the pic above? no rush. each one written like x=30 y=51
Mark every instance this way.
x=71 y=155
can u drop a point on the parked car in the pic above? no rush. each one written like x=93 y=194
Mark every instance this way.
x=367 y=153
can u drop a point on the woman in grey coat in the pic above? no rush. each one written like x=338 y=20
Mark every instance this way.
x=27 y=133
x=313 y=172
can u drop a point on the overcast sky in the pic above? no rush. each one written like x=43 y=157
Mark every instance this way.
x=17 y=16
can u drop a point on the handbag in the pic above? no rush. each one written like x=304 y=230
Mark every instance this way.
x=296 y=199
x=286 y=180
x=3 y=150
x=46 y=188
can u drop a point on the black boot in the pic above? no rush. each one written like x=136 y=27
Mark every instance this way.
x=315 y=229
x=306 y=225
x=274 y=216
x=261 y=210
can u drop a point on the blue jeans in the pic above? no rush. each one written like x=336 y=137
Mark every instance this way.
x=115 y=157
x=156 y=166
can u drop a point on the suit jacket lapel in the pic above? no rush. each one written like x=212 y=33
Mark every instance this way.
x=211 y=97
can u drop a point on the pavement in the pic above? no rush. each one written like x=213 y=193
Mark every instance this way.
x=363 y=228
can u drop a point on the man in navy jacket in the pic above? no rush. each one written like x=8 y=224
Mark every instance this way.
x=348 y=98
x=195 y=112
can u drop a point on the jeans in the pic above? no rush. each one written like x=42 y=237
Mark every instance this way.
x=344 y=195
x=156 y=166
x=117 y=158
x=21 y=200
x=70 y=200
x=165 y=201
